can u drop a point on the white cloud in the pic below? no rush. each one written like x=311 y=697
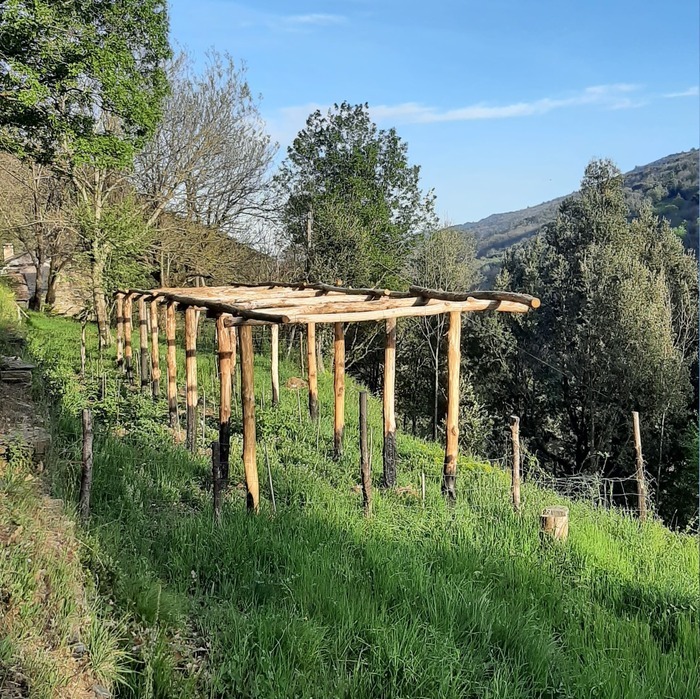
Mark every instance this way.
x=690 y=92
x=314 y=19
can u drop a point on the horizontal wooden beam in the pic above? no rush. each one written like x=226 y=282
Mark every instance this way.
x=531 y=301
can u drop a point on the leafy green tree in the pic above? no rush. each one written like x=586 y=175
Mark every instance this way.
x=353 y=205
x=81 y=86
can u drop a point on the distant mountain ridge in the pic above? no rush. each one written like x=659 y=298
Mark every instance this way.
x=671 y=183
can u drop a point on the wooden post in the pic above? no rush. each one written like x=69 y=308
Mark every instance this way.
x=452 y=423
x=313 y=372
x=83 y=348
x=389 y=451
x=120 y=331
x=143 y=344
x=275 y=363
x=223 y=335
x=128 y=351
x=365 y=472
x=339 y=389
x=191 y=375
x=269 y=476
x=155 y=351
x=250 y=465
x=171 y=363
x=515 y=480
x=554 y=522
x=86 y=471
x=216 y=481
x=641 y=481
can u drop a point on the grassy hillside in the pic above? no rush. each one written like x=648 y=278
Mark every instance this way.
x=319 y=601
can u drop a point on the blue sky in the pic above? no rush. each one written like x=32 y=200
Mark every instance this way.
x=502 y=102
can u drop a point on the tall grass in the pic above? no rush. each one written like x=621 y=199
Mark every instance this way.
x=319 y=601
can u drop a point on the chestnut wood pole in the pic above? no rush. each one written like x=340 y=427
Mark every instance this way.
x=250 y=465
x=313 y=372
x=155 y=351
x=171 y=363
x=365 y=465
x=515 y=480
x=143 y=344
x=223 y=335
x=120 y=330
x=128 y=351
x=452 y=423
x=339 y=389
x=641 y=482
x=275 y=363
x=191 y=375
x=389 y=452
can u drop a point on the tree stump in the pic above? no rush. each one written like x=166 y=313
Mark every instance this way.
x=555 y=522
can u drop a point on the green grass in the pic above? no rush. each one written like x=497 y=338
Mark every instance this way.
x=319 y=601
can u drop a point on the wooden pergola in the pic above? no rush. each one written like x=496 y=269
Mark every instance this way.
x=237 y=308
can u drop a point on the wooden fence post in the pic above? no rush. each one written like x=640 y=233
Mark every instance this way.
x=143 y=344
x=128 y=350
x=86 y=470
x=155 y=350
x=171 y=363
x=275 y=363
x=313 y=372
x=641 y=481
x=248 y=405
x=338 y=389
x=389 y=448
x=216 y=481
x=365 y=473
x=120 y=330
x=452 y=422
x=515 y=479
x=223 y=335
x=191 y=375
x=83 y=347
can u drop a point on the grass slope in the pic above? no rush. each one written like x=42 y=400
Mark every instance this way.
x=319 y=601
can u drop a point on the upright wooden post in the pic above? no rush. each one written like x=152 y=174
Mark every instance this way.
x=216 y=481
x=389 y=451
x=223 y=335
x=155 y=351
x=250 y=465
x=275 y=363
x=143 y=343
x=452 y=424
x=171 y=363
x=128 y=351
x=641 y=481
x=83 y=347
x=365 y=467
x=120 y=330
x=338 y=389
x=86 y=471
x=515 y=480
x=191 y=375
x=313 y=372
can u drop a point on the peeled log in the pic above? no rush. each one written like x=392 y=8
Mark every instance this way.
x=555 y=522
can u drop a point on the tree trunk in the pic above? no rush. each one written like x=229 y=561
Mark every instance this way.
x=50 y=299
x=98 y=293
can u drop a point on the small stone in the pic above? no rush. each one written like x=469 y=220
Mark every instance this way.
x=79 y=650
x=99 y=691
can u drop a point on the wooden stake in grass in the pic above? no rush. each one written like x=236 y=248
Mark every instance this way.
x=515 y=480
x=269 y=476
x=248 y=405
x=191 y=376
x=128 y=350
x=275 y=363
x=120 y=330
x=143 y=344
x=155 y=353
x=339 y=389
x=313 y=372
x=389 y=450
x=86 y=471
x=224 y=335
x=171 y=363
x=83 y=348
x=641 y=481
x=452 y=423
x=216 y=481
x=365 y=472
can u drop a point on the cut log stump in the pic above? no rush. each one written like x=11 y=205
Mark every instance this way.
x=555 y=522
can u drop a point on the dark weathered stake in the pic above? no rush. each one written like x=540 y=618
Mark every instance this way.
x=452 y=423
x=515 y=479
x=389 y=450
x=365 y=469
x=86 y=471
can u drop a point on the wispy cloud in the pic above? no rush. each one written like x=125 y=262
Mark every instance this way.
x=690 y=92
x=314 y=19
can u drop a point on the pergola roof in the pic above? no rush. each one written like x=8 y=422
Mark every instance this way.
x=282 y=303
